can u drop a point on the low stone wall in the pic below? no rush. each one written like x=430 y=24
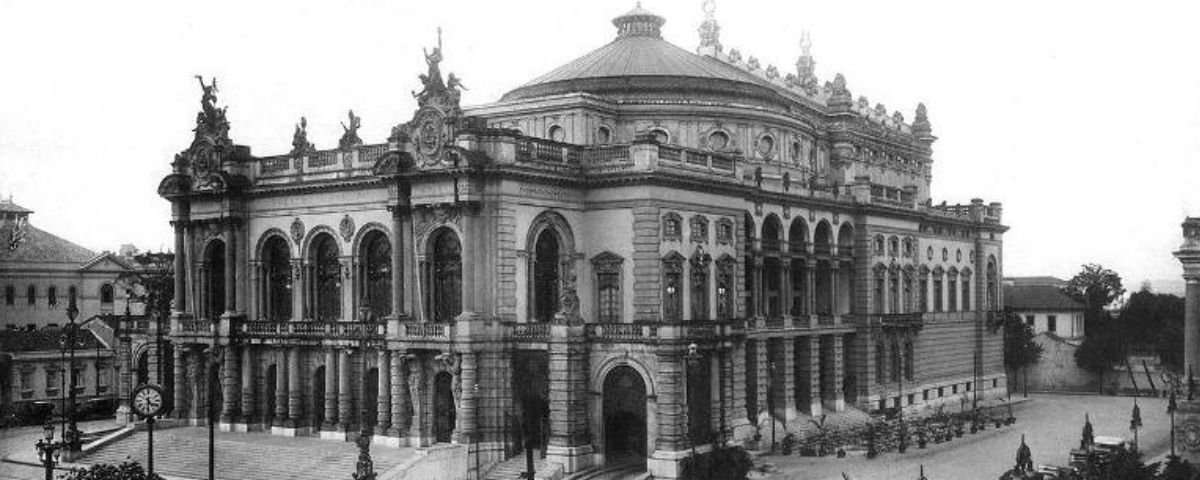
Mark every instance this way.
x=443 y=462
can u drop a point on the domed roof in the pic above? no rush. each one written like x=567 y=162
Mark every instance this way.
x=640 y=60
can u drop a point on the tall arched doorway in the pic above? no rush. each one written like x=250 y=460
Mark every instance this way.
x=143 y=368
x=277 y=281
x=214 y=278
x=327 y=278
x=545 y=276
x=445 y=275
x=443 y=408
x=624 y=414
x=375 y=258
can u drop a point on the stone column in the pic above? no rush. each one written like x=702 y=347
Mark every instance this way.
x=230 y=268
x=726 y=401
x=397 y=263
x=418 y=433
x=281 y=389
x=671 y=445
x=785 y=286
x=345 y=413
x=248 y=405
x=384 y=421
x=331 y=390
x=229 y=385
x=125 y=379
x=179 y=302
x=759 y=289
x=789 y=381
x=400 y=418
x=179 y=389
x=814 y=375
x=762 y=368
x=295 y=405
x=835 y=307
x=1189 y=256
x=839 y=372
x=569 y=439
x=810 y=287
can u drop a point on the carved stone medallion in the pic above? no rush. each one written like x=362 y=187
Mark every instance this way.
x=1190 y=434
x=297 y=230
x=346 y=228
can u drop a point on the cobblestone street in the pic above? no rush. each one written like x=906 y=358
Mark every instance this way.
x=1051 y=424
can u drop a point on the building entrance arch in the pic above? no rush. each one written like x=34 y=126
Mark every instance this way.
x=625 y=419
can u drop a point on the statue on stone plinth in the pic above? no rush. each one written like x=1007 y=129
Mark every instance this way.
x=350 y=132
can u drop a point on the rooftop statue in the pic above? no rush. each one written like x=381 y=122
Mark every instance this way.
x=350 y=133
x=212 y=141
x=710 y=32
x=300 y=143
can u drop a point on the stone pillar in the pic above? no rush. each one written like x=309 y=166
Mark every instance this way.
x=179 y=302
x=400 y=400
x=785 y=286
x=885 y=305
x=397 y=264
x=229 y=385
x=281 y=390
x=671 y=446
x=789 y=381
x=230 y=268
x=331 y=392
x=296 y=416
x=418 y=433
x=569 y=440
x=759 y=288
x=384 y=396
x=345 y=415
x=839 y=372
x=728 y=406
x=469 y=377
x=814 y=375
x=248 y=401
x=125 y=379
x=1189 y=256
x=762 y=368
x=179 y=389
x=835 y=308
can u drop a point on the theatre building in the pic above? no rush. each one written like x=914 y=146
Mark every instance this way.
x=634 y=256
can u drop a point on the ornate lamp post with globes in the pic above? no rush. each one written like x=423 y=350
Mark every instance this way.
x=72 y=435
x=49 y=450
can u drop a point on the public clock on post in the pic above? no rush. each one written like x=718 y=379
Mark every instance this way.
x=147 y=400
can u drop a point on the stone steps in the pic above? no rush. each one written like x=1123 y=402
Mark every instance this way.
x=514 y=468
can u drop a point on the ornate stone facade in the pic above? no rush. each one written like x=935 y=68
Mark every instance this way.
x=601 y=273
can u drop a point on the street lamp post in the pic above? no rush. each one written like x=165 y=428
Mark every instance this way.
x=478 y=430
x=1171 y=406
x=771 y=402
x=72 y=437
x=49 y=450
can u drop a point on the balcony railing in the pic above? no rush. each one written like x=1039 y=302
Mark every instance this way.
x=529 y=331
x=434 y=332
x=313 y=330
x=900 y=320
x=623 y=332
x=195 y=326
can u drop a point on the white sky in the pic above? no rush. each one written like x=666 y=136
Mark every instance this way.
x=1081 y=117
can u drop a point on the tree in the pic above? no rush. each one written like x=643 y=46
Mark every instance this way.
x=1155 y=321
x=1101 y=349
x=1095 y=287
x=106 y=471
x=1019 y=348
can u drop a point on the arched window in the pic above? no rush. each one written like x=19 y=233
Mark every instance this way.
x=52 y=296
x=327 y=278
x=771 y=232
x=557 y=133
x=10 y=295
x=277 y=280
x=545 y=276
x=895 y=364
x=661 y=136
x=893 y=246
x=72 y=295
x=673 y=287
x=993 y=296
x=923 y=281
x=445 y=300
x=699 y=266
x=966 y=290
x=952 y=290
x=880 y=363
x=214 y=277
x=31 y=294
x=106 y=293
x=725 y=268
x=603 y=135
x=718 y=141
x=798 y=237
x=375 y=256
x=908 y=360
x=894 y=291
x=908 y=291
x=880 y=274
x=939 y=290
x=879 y=245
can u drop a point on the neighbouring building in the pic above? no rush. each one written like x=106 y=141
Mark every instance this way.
x=35 y=370
x=636 y=254
x=1042 y=304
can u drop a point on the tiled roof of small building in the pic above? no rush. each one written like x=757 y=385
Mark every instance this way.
x=44 y=340
x=7 y=206
x=1038 y=297
x=1035 y=280
x=40 y=246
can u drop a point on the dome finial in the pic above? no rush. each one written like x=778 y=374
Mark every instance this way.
x=639 y=22
x=710 y=31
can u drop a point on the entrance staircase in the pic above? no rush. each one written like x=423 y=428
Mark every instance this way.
x=514 y=469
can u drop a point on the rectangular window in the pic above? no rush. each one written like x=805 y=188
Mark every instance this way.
x=102 y=379
x=911 y=397
x=609 y=305
x=879 y=295
x=941 y=392
x=31 y=295
x=10 y=294
x=924 y=295
x=53 y=382
x=1051 y=323
x=966 y=294
x=968 y=384
x=52 y=296
x=953 y=389
x=953 y=294
x=925 y=396
x=1029 y=320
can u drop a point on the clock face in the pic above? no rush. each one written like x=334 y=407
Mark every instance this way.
x=147 y=400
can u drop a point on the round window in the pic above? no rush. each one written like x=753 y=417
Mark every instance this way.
x=718 y=141
x=660 y=135
x=557 y=133
x=603 y=135
x=766 y=145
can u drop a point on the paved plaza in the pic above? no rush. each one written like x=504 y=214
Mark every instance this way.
x=1051 y=424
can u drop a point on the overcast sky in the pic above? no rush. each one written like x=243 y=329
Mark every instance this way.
x=1083 y=118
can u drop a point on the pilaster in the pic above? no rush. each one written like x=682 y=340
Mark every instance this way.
x=569 y=440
